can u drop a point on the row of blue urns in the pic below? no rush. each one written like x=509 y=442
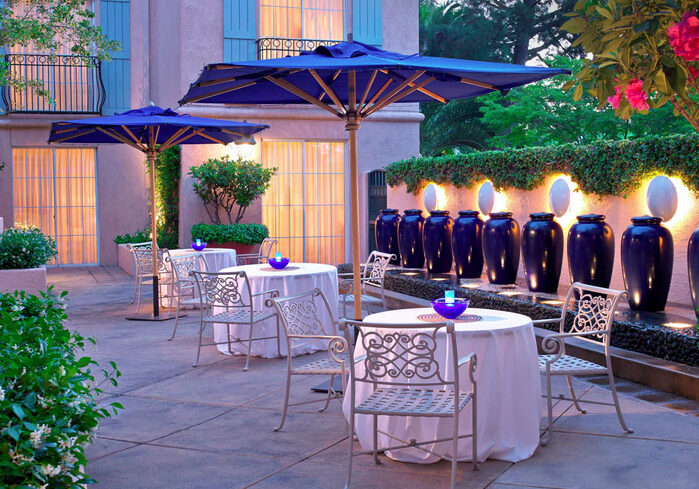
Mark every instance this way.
x=646 y=251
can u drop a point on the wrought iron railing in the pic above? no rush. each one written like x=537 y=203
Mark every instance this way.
x=278 y=47
x=74 y=84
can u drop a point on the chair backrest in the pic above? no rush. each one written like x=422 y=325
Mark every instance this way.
x=184 y=266
x=143 y=259
x=301 y=314
x=229 y=289
x=375 y=268
x=266 y=247
x=403 y=354
x=594 y=309
x=143 y=245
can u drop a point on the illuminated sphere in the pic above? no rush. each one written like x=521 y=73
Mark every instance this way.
x=486 y=198
x=559 y=197
x=661 y=198
x=429 y=197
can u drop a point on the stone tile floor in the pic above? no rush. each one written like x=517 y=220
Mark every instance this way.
x=211 y=426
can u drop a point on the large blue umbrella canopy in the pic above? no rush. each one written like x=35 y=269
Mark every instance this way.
x=152 y=130
x=353 y=80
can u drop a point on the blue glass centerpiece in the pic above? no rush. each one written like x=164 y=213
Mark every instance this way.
x=450 y=307
x=278 y=261
x=198 y=245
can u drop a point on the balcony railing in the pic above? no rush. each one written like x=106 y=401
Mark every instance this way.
x=74 y=84
x=278 y=47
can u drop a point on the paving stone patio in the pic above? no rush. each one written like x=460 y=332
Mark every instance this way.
x=211 y=426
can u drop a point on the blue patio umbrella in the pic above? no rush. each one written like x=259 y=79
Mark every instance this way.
x=352 y=80
x=152 y=130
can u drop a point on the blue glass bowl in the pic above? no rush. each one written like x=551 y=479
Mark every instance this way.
x=197 y=247
x=278 y=264
x=450 y=311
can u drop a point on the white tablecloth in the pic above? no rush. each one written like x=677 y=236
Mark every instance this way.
x=215 y=258
x=295 y=279
x=508 y=389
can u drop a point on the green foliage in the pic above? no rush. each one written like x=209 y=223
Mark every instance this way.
x=46 y=26
x=167 y=196
x=629 y=40
x=25 y=248
x=223 y=184
x=541 y=114
x=48 y=410
x=225 y=233
x=165 y=240
x=601 y=168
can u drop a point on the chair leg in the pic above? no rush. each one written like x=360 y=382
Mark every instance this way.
x=548 y=433
x=279 y=346
x=138 y=298
x=376 y=441
x=286 y=395
x=454 y=449
x=135 y=288
x=177 y=316
x=201 y=331
x=573 y=397
x=474 y=430
x=330 y=393
x=612 y=386
x=247 y=361
x=350 y=442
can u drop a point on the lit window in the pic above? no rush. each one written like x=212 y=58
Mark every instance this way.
x=302 y=19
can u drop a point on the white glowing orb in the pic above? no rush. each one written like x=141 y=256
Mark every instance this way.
x=661 y=197
x=486 y=198
x=559 y=197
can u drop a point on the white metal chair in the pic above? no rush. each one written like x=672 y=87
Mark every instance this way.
x=263 y=253
x=407 y=380
x=372 y=275
x=300 y=315
x=184 y=286
x=133 y=246
x=231 y=292
x=143 y=259
x=595 y=307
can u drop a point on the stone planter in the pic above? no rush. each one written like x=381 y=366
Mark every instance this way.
x=240 y=248
x=591 y=251
x=125 y=259
x=501 y=245
x=467 y=245
x=436 y=241
x=693 y=266
x=542 y=252
x=410 y=239
x=386 y=233
x=31 y=280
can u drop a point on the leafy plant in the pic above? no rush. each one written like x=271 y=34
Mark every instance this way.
x=601 y=168
x=165 y=239
x=25 y=248
x=223 y=184
x=48 y=410
x=643 y=55
x=224 y=233
x=167 y=196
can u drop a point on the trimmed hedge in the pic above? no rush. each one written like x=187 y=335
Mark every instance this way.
x=224 y=233
x=602 y=168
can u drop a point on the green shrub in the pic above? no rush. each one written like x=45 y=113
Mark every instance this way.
x=165 y=238
x=223 y=233
x=48 y=411
x=25 y=248
x=602 y=168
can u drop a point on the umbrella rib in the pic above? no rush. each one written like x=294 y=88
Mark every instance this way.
x=398 y=96
x=331 y=93
x=166 y=144
x=131 y=134
x=78 y=134
x=429 y=93
x=200 y=133
x=334 y=77
x=368 y=88
x=290 y=87
x=477 y=83
x=401 y=86
x=119 y=137
x=379 y=92
x=216 y=82
x=182 y=139
x=234 y=133
x=352 y=87
x=220 y=92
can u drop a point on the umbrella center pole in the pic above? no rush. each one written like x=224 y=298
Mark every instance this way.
x=151 y=156
x=352 y=121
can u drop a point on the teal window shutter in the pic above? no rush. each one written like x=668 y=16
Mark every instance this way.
x=239 y=30
x=366 y=21
x=2 y=56
x=116 y=73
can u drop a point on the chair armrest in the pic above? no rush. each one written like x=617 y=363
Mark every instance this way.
x=359 y=358
x=471 y=360
x=466 y=359
x=555 y=343
x=270 y=292
x=549 y=320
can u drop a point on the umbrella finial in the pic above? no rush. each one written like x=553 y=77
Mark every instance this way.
x=151 y=103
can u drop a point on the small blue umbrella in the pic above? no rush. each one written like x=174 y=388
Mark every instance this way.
x=353 y=80
x=152 y=130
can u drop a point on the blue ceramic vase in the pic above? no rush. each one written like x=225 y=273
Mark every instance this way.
x=693 y=268
x=542 y=252
x=410 y=239
x=467 y=245
x=591 y=251
x=386 y=232
x=501 y=243
x=646 y=258
x=436 y=241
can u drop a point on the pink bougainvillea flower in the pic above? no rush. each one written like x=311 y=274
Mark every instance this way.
x=684 y=36
x=693 y=74
x=615 y=99
x=638 y=99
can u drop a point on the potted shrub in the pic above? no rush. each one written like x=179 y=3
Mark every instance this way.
x=227 y=188
x=124 y=256
x=23 y=254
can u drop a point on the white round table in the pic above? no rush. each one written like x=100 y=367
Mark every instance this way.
x=508 y=390
x=215 y=258
x=295 y=279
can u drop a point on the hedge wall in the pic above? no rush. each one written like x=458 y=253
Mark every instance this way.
x=602 y=168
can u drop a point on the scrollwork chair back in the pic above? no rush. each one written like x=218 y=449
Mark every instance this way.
x=185 y=266
x=266 y=248
x=228 y=290
x=594 y=310
x=375 y=268
x=144 y=260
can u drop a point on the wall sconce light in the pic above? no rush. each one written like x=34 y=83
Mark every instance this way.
x=661 y=197
x=486 y=198
x=559 y=197
x=434 y=197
